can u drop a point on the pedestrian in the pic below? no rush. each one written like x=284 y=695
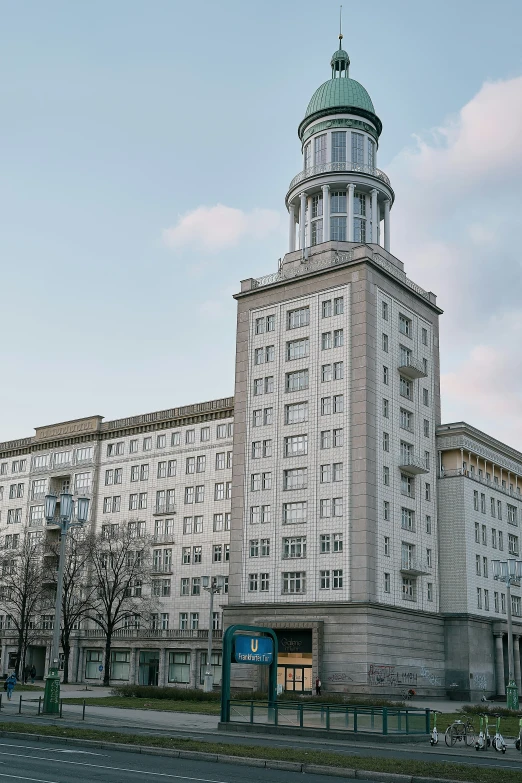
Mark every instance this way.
x=33 y=674
x=318 y=687
x=27 y=669
x=9 y=684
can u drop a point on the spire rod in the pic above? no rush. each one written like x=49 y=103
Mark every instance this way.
x=340 y=25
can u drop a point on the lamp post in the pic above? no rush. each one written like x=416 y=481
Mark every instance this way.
x=213 y=585
x=509 y=571
x=51 y=703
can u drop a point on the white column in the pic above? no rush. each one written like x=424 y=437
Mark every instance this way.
x=308 y=241
x=162 y=674
x=291 y=229
x=302 y=212
x=326 y=213
x=375 y=218
x=351 y=190
x=499 y=664
x=387 y=225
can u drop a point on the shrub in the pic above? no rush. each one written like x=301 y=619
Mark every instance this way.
x=172 y=692
x=489 y=709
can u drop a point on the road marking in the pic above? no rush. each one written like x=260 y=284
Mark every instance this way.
x=52 y=750
x=116 y=769
x=19 y=777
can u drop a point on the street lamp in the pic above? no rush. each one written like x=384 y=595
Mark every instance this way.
x=213 y=585
x=63 y=519
x=509 y=571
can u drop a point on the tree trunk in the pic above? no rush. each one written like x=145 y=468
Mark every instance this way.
x=107 y=662
x=66 y=654
x=19 y=649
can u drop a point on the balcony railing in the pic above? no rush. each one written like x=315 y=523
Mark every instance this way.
x=412 y=368
x=50 y=578
x=340 y=166
x=445 y=473
x=148 y=633
x=162 y=568
x=414 y=567
x=412 y=465
x=163 y=538
x=165 y=508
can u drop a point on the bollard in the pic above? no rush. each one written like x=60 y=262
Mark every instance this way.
x=83 y=711
x=39 y=704
x=61 y=707
x=20 y=705
x=1 y=694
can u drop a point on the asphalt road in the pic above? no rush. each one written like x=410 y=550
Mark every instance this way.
x=23 y=761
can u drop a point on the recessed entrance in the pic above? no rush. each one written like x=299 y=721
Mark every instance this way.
x=294 y=670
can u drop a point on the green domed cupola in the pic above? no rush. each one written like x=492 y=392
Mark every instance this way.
x=340 y=94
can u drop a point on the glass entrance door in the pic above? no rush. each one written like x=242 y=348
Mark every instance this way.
x=295 y=678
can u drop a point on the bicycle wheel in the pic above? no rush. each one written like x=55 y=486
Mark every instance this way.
x=450 y=737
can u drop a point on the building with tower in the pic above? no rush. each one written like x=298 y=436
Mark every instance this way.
x=334 y=509
x=326 y=492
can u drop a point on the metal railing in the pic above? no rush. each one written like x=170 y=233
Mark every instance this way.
x=165 y=508
x=338 y=717
x=332 y=168
x=163 y=538
x=416 y=567
x=444 y=473
x=412 y=368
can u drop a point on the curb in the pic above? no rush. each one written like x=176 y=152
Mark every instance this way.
x=222 y=758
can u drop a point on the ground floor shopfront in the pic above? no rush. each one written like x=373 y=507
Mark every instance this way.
x=151 y=658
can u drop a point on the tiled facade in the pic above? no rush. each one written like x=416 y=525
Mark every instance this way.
x=167 y=476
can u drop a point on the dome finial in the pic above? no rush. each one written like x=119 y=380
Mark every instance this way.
x=340 y=61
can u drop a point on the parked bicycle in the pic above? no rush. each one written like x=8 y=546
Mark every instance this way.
x=434 y=736
x=460 y=731
x=498 y=740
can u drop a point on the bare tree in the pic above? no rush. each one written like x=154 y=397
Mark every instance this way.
x=22 y=592
x=78 y=595
x=120 y=571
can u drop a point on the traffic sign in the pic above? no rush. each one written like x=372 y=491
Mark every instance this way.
x=100 y=668
x=254 y=649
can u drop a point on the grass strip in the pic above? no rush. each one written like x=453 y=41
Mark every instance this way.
x=167 y=705
x=508 y=725
x=445 y=770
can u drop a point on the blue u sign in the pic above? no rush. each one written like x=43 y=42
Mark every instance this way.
x=254 y=649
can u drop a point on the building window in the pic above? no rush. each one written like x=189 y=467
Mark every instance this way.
x=338 y=228
x=408 y=519
x=428 y=524
x=386 y=510
x=484 y=535
x=296 y=381
x=385 y=375
x=386 y=583
x=429 y=591
x=512 y=515
x=296 y=445
x=296 y=413
x=385 y=343
x=320 y=149
x=386 y=476
x=405 y=325
x=513 y=545
x=385 y=441
x=386 y=546
x=386 y=408
x=294 y=513
x=298 y=349
x=357 y=148
x=339 y=146
x=294 y=582
x=297 y=318
x=295 y=478
x=408 y=589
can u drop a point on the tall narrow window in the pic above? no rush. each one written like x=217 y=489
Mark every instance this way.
x=357 y=148
x=338 y=146
x=320 y=149
x=371 y=153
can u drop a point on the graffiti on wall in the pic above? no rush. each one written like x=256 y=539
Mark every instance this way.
x=391 y=676
x=479 y=682
x=432 y=678
x=339 y=677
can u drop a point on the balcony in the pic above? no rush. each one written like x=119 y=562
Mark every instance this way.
x=164 y=508
x=50 y=578
x=412 y=465
x=340 y=166
x=163 y=538
x=148 y=633
x=162 y=568
x=412 y=567
x=412 y=369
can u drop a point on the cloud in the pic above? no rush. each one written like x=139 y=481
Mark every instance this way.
x=212 y=229
x=456 y=226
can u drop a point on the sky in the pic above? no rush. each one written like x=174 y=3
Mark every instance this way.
x=146 y=147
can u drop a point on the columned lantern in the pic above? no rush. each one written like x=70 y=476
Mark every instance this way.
x=340 y=194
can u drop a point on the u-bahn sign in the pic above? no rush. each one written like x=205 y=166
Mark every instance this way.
x=254 y=649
